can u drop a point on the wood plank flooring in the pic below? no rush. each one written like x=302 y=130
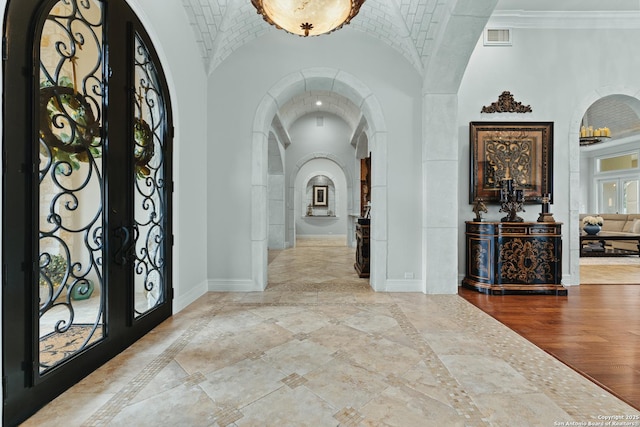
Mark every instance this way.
x=595 y=330
x=610 y=274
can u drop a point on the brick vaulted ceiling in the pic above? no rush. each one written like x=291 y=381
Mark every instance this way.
x=409 y=26
x=413 y=28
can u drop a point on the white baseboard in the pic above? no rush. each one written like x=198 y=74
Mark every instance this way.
x=183 y=300
x=403 y=286
x=220 y=285
x=321 y=236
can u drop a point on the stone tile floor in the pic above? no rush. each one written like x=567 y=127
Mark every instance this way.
x=319 y=348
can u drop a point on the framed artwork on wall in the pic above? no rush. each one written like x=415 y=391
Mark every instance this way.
x=321 y=195
x=522 y=151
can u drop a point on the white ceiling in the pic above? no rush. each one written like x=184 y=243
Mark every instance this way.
x=331 y=103
x=410 y=27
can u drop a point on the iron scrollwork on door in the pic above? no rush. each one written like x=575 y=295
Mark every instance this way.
x=150 y=193
x=70 y=181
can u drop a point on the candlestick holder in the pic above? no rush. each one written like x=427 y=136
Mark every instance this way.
x=545 y=215
x=512 y=201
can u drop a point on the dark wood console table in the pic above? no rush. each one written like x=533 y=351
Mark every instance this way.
x=362 y=247
x=514 y=258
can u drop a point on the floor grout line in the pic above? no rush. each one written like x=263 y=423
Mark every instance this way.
x=113 y=406
x=432 y=376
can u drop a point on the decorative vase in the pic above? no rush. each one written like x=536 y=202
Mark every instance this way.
x=591 y=229
x=82 y=290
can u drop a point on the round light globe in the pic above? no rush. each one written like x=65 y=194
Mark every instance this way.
x=308 y=17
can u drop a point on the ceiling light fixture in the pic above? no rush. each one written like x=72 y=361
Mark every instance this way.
x=308 y=17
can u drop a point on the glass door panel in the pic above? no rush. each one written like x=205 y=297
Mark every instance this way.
x=149 y=184
x=70 y=147
x=630 y=193
x=619 y=196
x=608 y=199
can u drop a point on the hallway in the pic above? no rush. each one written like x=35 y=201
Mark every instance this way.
x=319 y=348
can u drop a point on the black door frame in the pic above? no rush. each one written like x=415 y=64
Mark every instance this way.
x=24 y=389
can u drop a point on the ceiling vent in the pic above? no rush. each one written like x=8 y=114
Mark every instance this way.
x=497 y=37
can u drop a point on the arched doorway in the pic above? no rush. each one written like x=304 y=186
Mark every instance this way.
x=351 y=88
x=87 y=234
x=618 y=109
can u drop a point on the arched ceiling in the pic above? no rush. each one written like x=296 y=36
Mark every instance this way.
x=412 y=27
x=409 y=26
x=620 y=113
x=315 y=101
x=330 y=102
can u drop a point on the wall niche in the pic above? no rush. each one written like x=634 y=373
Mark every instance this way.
x=320 y=197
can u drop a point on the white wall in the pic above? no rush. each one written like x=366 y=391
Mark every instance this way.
x=237 y=87
x=276 y=195
x=557 y=72
x=312 y=135
x=276 y=186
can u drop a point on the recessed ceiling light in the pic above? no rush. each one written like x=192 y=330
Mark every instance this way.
x=318 y=103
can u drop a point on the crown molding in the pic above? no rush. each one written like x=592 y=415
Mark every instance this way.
x=590 y=20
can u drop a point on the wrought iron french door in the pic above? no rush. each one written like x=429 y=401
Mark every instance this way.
x=86 y=217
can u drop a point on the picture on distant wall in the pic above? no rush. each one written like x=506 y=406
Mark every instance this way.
x=521 y=151
x=321 y=195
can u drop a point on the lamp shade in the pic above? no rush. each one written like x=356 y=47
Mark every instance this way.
x=308 y=17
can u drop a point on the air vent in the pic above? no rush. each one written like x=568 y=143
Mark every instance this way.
x=497 y=37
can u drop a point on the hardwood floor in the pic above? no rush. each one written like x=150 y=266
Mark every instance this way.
x=595 y=330
x=610 y=274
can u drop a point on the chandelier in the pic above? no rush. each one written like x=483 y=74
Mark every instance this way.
x=308 y=17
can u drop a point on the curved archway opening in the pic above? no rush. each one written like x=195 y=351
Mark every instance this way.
x=357 y=106
x=603 y=190
x=313 y=214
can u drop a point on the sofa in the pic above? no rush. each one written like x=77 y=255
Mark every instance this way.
x=619 y=223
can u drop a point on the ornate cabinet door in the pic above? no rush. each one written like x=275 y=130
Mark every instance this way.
x=362 y=264
x=87 y=189
x=529 y=255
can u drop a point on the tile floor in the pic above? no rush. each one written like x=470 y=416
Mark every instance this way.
x=319 y=348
